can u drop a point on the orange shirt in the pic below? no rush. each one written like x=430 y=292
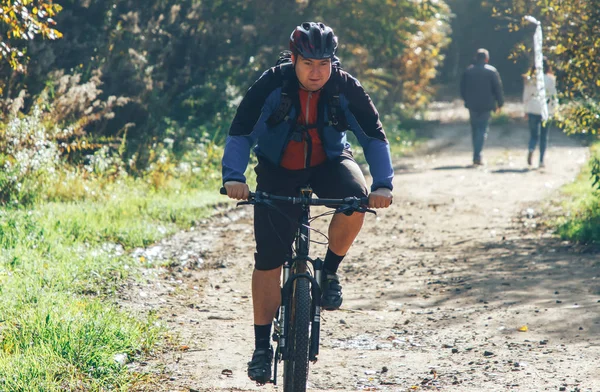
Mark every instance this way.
x=299 y=154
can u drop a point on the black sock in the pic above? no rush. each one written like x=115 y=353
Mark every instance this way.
x=262 y=336
x=332 y=261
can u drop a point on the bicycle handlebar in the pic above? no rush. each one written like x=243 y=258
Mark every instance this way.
x=347 y=204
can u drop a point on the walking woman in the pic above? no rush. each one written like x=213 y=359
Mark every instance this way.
x=533 y=110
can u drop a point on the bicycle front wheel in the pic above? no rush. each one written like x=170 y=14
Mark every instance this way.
x=295 y=368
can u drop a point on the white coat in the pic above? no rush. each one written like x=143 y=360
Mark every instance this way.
x=531 y=99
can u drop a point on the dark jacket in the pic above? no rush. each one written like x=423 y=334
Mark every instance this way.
x=250 y=129
x=481 y=87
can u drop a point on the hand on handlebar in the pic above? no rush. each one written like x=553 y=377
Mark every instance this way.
x=380 y=198
x=237 y=190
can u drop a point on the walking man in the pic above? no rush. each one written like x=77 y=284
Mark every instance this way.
x=481 y=89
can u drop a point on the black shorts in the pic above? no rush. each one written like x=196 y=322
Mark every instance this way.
x=274 y=232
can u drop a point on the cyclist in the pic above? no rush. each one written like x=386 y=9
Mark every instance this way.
x=298 y=145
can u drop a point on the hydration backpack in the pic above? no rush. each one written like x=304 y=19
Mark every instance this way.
x=337 y=119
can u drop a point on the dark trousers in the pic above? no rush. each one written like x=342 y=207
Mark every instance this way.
x=479 y=128
x=538 y=130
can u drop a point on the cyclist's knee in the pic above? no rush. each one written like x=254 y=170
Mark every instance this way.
x=356 y=219
x=268 y=261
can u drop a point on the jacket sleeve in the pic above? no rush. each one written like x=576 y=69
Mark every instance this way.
x=551 y=95
x=251 y=107
x=463 y=87
x=377 y=154
x=236 y=157
x=552 y=87
x=526 y=93
x=497 y=88
x=363 y=120
x=242 y=135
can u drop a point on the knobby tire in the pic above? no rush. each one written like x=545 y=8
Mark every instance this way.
x=295 y=369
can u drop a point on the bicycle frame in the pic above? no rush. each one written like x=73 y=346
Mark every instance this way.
x=295 y=269
x=300 y=260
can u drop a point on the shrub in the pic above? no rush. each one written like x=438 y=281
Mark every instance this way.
x=595 y=166
x=29 y=156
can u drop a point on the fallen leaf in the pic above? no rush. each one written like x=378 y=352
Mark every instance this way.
x=523 y=328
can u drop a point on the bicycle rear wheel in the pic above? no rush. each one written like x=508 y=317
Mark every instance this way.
x=295 y=368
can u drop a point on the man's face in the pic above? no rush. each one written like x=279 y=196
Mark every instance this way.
x=312 y=74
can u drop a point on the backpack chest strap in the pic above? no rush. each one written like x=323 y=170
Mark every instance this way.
x=282 y=112
x=337 y=119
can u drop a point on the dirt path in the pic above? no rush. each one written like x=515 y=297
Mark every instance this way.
x=436 y=287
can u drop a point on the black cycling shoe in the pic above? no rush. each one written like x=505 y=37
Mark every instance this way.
x=259 y=368
x=332 y=291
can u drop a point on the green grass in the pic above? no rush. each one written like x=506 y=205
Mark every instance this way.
x=60 y=266
x=402 y=142
x=55 y=342
x=581 y=223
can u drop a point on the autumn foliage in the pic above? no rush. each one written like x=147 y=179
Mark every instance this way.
x=23 y=20
x=572 y=44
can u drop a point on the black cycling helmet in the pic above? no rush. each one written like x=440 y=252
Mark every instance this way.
x=313 y=41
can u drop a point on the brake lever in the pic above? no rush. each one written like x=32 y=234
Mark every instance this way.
x=365 y=209
x=352 y=209
x=344 y=210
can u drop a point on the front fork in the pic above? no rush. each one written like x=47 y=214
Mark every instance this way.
x=282 y=323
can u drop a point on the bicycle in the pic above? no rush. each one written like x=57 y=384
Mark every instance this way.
x=298 y=320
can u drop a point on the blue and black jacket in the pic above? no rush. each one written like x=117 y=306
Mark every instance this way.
x=250 y=126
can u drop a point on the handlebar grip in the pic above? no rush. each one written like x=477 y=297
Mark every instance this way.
x=223 y=191
x=365 y=201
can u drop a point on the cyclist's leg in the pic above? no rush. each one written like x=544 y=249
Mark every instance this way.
x=274 y=235
x=274 y=231
x=338 y=179
x=341 y=178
